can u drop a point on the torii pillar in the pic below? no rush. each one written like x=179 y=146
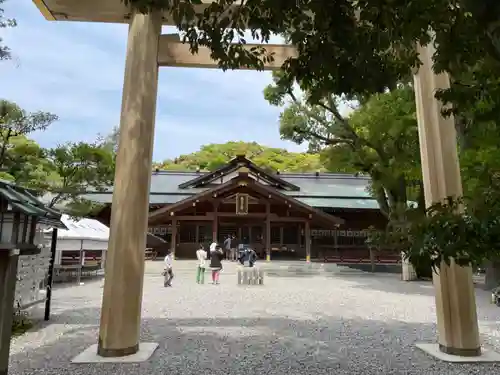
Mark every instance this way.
x=458 y=333
x=122 y=300
x=146 y=50
x=124 y=272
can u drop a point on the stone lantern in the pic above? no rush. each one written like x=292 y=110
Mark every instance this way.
x=20 y=214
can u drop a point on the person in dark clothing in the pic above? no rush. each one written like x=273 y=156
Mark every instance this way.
x=216 y=257
x=252 y=257
x=242 y=252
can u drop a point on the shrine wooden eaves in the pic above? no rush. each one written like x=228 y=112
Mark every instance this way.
x=234 y=165
x=233 y=186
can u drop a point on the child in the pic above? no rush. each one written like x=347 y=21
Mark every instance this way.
x=216 y=264
x=201 y=255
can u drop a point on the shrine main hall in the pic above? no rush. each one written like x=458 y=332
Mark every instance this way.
x=324 y=216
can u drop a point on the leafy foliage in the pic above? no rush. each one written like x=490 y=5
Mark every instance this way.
x=345 y=47
x=450 y=232
x=15 y=122
x=80 y=167
x=213 y=156
x=379 y=138
x=5 y=22
x=64 y=172
x=21 y=159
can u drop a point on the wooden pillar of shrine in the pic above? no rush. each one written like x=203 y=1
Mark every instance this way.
x=122 y=295
x=456 y=314
x=307 y=233
x=215 y=222
x=268 y=231
x=173 y=242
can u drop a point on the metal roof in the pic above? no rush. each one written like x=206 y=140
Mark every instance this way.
x=325 y=190
x=22 y=200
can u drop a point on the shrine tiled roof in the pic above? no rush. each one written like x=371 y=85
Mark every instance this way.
x=322 y=190
x=24 y=201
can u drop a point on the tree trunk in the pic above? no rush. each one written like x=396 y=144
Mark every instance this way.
x=462 y=132
x=381 y=198
x=492 y=277
x=421 y=197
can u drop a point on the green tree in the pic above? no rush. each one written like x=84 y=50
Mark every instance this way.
x=21 y=159
x=213 y=156
x=379 y=138
x=5 y=22
x=344 y=47
x=79 y=167
x=27 y=164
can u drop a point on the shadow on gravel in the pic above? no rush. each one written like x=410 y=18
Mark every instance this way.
x=291 y=273
x=267 y=345
x=390 y=283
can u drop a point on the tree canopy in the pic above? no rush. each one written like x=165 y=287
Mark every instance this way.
x=213 y=156
x=345 y=47
x=63 y=172
x=378 y=138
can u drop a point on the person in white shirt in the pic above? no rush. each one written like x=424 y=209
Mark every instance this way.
x=167 y=272
x=201 y=255
x=213 y=246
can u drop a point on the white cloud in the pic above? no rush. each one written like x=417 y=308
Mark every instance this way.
x=76 y=71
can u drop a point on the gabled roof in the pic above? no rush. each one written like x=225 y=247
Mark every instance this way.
x=22 y=200
x=233 y=165
x=324 y=190
x=242 y=180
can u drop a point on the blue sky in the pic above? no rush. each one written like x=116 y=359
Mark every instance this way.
x=75 y=70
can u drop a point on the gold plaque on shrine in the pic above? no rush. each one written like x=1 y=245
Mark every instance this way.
x=241 y=204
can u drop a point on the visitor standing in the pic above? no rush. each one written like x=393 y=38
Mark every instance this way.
x=252 y=257
x=168 y=272
x=234 y=247
x=201 y=255
x=227 y=247
x=213 y=246
x=216 y=257
x=241 y=253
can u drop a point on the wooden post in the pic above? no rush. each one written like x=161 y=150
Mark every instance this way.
x=372 y=258
x=456 y=314
x=197 y=234
x=336 y=244
x=173 y=242
x=308 y=241
x=50 y=277
x=81 y=261
x=8 y=278
x=268 y=231
x=122 y=295
x=215 y=229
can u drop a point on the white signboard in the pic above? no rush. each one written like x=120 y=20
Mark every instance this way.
x=339 y=233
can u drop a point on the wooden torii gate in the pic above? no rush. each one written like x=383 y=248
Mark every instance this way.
x=147 y=49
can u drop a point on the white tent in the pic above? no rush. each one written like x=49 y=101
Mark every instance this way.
x=83 y=235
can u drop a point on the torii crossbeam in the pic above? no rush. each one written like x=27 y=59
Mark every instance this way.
x=146 y=51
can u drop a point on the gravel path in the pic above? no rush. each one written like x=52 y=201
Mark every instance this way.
x=303 y=321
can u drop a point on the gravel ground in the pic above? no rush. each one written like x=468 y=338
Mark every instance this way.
x=304 y=320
